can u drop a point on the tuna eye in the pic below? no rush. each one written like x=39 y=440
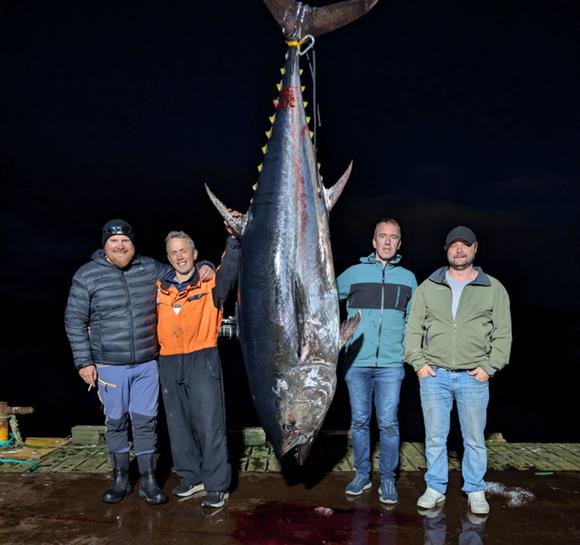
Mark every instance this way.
x=289 y=427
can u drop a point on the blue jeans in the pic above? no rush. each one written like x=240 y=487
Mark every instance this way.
x=471 y=396
x=385 y=383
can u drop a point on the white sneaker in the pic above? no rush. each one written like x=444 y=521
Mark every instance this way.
x=430 y=499
x=477 y=503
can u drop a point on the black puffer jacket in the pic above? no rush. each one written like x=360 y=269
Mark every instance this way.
x=110 y=314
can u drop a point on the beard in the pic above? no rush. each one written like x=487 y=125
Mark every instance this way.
x=461 y=266
x=120 y=260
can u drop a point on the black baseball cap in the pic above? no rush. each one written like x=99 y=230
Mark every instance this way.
x=465 y=234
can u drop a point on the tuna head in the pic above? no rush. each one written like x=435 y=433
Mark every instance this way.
x=304 y=393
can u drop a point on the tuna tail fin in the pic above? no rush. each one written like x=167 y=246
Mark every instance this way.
x=238 y=224
x=332 y=193
x=298 y=19
x=348 y=327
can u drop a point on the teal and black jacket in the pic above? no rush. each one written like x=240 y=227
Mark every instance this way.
x=383 y=295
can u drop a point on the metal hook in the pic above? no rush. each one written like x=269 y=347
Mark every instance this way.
x=309 y=37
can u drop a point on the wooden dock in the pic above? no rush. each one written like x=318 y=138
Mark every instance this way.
x=255 y=454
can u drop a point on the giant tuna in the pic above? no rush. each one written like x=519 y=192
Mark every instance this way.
x=288 y=305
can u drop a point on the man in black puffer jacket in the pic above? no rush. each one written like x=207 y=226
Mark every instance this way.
x=111 y=325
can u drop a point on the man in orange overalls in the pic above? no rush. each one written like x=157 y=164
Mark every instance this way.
x=189 y=317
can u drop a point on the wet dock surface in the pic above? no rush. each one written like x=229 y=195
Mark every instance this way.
x=265 y=509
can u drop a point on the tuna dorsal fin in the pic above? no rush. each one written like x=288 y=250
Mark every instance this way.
x=238 y=224
x=348 y=327
x=332 y=193
x=298 y=19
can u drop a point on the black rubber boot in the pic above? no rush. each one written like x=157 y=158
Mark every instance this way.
x=148 y=488
x=121 y=485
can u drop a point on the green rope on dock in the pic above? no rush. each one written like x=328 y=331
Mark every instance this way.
x=12 y=441
x=33 y=465
x=8 y=443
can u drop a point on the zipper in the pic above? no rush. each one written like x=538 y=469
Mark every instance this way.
x=381 y=314
x=131 y=315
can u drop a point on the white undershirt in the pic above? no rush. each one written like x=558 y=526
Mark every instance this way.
x=456 y=290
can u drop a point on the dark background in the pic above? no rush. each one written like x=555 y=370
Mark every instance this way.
x=453 y=112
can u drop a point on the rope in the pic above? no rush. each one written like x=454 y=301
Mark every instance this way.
x=315 y=108
x=33 y=465
x=298 y=44
x=11 y=441
x=8 y=443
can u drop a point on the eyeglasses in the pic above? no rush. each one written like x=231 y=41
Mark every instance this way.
x=118 y=230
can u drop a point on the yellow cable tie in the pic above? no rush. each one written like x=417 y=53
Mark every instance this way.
x=294 y=43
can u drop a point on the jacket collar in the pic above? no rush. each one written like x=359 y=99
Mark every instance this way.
x=371 y=260
x=480 y=280
x=169 y=280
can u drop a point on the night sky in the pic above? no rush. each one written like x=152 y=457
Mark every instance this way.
x=453 y=112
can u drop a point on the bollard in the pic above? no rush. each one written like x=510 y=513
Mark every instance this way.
x=3 y=429
x=5 y=413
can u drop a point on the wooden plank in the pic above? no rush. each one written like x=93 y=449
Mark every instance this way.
x=412 y=458
x=46 y=442
x=66 y=459
x=273 y=462
x=253 y=437
x=415 y=454
x=95 y=461
x=547 y=459
x=571 y=453
x=258 y=460
x=573 y=448
x=501 y=457
x=520 y=456
x=244 y=458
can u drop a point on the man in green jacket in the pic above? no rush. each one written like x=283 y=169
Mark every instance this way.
x=458 y=336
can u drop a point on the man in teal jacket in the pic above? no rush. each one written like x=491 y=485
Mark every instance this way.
x=380 y=289
x=458 y=336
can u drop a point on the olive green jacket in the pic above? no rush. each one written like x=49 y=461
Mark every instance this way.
x=480 y=335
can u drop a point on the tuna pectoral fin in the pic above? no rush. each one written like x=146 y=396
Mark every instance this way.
x=238 y=224
x=332 y=193
x=348 y=327
x=298 y=19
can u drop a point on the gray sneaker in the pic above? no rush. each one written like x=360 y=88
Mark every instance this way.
x=477 y=503
x=185 y=490
x=215 y=499
x=357 y=486
x=430 y=499
x=388 y=492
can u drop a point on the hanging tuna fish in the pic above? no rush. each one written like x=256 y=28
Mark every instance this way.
x=288 y=305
